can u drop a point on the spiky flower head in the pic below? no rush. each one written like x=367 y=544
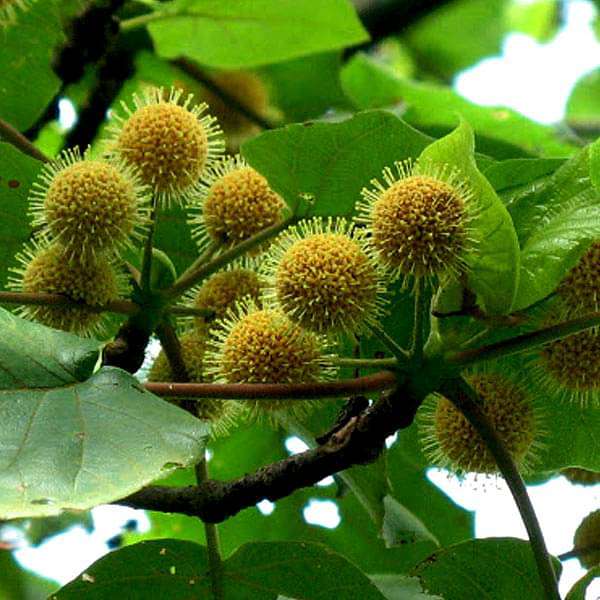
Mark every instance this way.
x=89 y=206
x=250 y=91
x=169 y=140
x=324 y=277
x=222 y=291
x=580 y=289
x=45 y=269
x=419 y=220
x=569 y=368
x=220 y=413
x=253 y=345
x=587 y=540
x=581 y=476
x=9 y=10
x=236 y=202
x=452 y=442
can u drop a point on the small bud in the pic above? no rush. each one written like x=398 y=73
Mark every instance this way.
x=587 y=540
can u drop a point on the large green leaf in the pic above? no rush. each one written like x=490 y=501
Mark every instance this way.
x=71 y=439
x=28 y=82
x=493 y=271
x=332 y=162
x=501 y=132
x=248 y=33
x=493 y=568
x=513 y=173
x=583 y=106
x=400 y=587
x=444 y=55
x=18 y=584
x=17 y=173
x=173 y=569
x=555 y=222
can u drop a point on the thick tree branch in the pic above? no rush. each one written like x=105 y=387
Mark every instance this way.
x=377 y=382
x=360 y=441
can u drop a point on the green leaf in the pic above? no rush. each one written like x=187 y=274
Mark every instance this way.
x=538 y=19
x=493 y=568
x=28 y=81
x=261 y=571
x=17 y=173
x=19 y=584
x=595 y=164
x=444 y=55
x=517 y=172
x=578 y=591
x=400 y=526
x=73 y=442
x=401 y=587
x=501 y=132
x=332 y=162
x=493 y=271
x=243 y=33
x=305 y=88
x=555 y=222
x=583 y=105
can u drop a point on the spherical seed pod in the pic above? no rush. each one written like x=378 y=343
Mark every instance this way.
x=46 y=269
x=250 y=91
x=236 y=202
x=581 y=476
x=569 y=369
x=89 y=206
x=580 y=289
x=222 y=291
x=254 y=345
x=324 y=277
x=169 y=141
x=452 y=442
x=220 y=413
x=9 y=10
x=419 y=220
x=587 y=540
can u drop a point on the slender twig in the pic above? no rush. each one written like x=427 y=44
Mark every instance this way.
x=18 y=140
x=213 y=543
x=377 y=382
x=420 y=308
x=146 y=277
x=366 y=363
x=198 y=272
x=390 y=343
x=172 y=349
x=577 y=552
x=465 y=399
x=524 y=342
x=199 y=75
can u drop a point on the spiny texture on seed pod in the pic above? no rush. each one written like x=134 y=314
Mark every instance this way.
x=220 y=413
x=587 y=540
x=452 y=442
x=236 y=202
x=89 y=206
x=46 y=269
x=254 y=345
x=324 y=277
x=419 y=220
x=581 y=476
x=168 y=141
x=223 y=290
x=580 y=289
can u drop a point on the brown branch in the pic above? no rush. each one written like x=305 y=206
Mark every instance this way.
x=377 y=382
x=361 y=441
x=19 y=141
x=199 y=75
